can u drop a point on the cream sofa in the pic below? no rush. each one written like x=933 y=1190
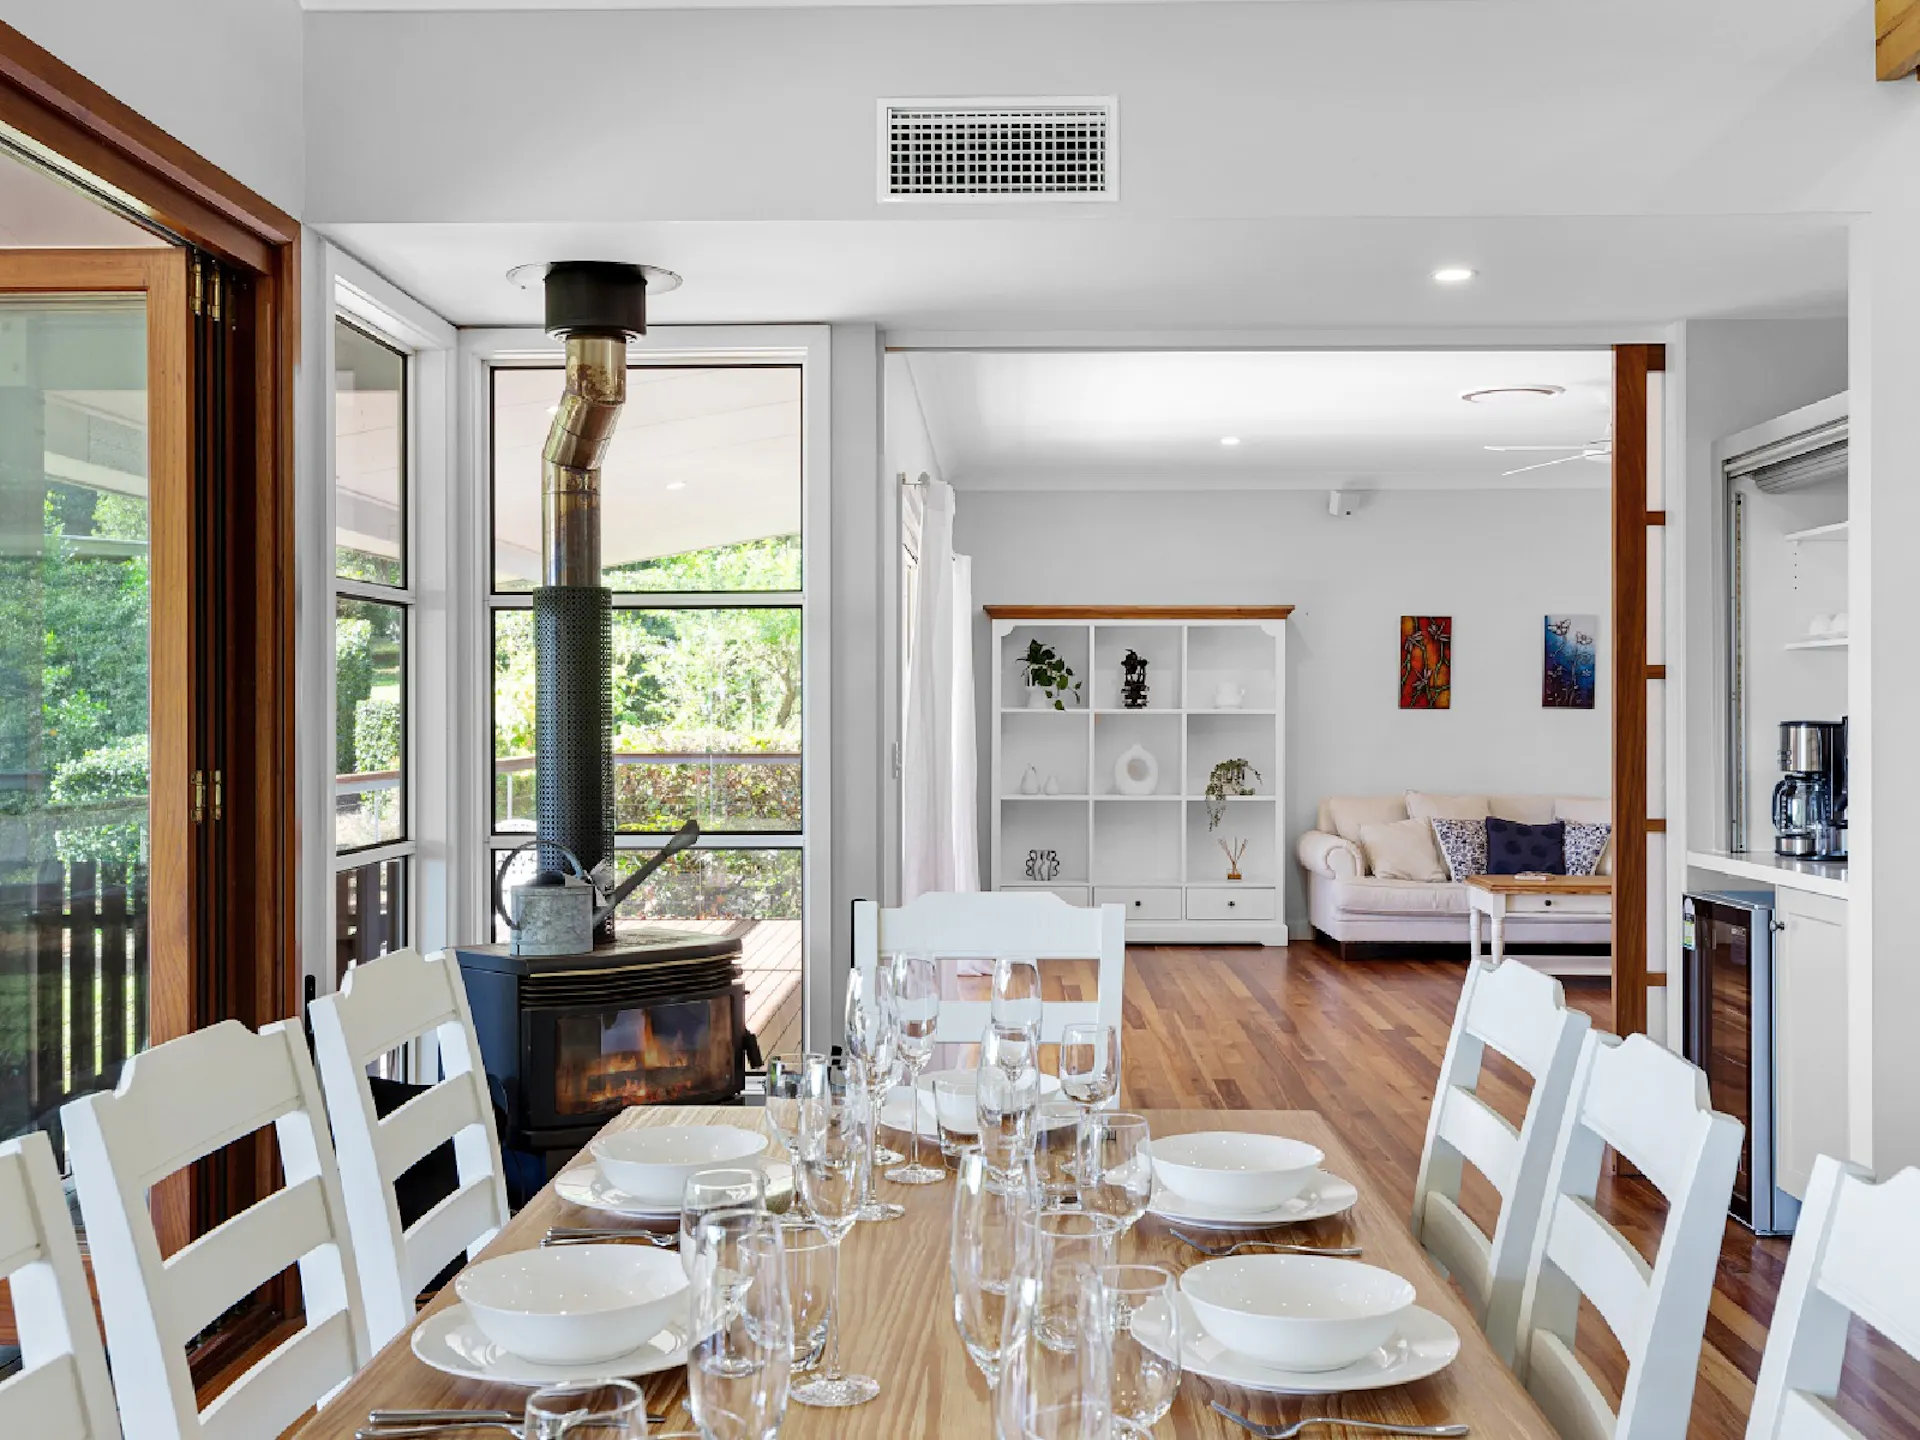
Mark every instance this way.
x=1351 y=907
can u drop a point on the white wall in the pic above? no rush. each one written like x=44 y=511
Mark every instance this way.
x=1497 y=562
x=223 y=77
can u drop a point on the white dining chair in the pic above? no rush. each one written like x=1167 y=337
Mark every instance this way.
x=1521 y=1014
x=1856 y=1251
x=174 y=1104
x=62 y=1391
x=985 y=926
x=1653 y=1108
x=382 y=1005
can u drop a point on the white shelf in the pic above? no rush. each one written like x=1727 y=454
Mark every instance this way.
x=1819 y=642
x=1056 y=798
x=1078 y=710
x=1821 y=877
x=1835 y=531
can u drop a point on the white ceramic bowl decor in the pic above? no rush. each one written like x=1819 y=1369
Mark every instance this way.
x=653 y=1163
x=1299 y=1312
x=574 y=1304
x=1235 y=1169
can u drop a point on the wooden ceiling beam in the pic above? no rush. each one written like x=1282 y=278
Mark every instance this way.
x=1897 y=28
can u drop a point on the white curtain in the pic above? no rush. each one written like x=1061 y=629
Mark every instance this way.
x=941 y=837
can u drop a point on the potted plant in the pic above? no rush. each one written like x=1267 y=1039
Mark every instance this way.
x=1049 y=678
x=1229 y=777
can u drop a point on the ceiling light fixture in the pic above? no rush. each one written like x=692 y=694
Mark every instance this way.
x=676 y=484
x=1229 y=440
x=1512 y=394
x=1453 y=275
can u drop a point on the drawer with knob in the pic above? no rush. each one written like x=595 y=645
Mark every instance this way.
x=1141 y=902
x=1230 y=902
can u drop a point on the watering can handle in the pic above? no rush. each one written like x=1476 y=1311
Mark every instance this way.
x=500 y=876
x=681 y=839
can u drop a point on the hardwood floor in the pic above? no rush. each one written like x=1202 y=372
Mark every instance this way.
x=1361 y=1042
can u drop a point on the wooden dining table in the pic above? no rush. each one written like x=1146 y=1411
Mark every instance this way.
x=897 y=1310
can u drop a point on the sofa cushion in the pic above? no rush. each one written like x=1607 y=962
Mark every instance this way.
x=1349 y=814
x=1527 y=809
x=1422 y=806
x=1463 y=844
x=1585 y=846
x=1583 y=810
x=1516 y=849
x=1374 y=896
x=1403 y=850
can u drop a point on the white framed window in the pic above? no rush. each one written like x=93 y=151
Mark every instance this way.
x=716 y=510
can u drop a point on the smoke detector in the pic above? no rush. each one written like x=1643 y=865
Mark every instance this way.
x=999 y=149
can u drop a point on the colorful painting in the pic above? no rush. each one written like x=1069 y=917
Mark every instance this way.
x=1426 y=662
x=1567 y=679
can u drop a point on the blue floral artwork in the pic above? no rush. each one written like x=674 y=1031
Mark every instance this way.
x=1567 y=682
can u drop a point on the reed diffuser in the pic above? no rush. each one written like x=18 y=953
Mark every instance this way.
x=1233 y=851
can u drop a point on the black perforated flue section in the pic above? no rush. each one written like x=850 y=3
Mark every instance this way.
x=573 y=723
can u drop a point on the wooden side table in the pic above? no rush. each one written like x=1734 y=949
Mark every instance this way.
x=1498 y=896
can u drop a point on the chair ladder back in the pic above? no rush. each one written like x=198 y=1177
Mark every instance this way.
x=174 y=1104
x=1522 y=1015
x=383 y=1004
x=62 y=1391
x=1856 y=1251
x=1652 y=1107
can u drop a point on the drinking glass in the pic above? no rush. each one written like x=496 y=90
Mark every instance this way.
x=1062 y=1246
x=1089 y=1063
x=1144 y=1380
x=836 y=1121
x=809 y=1293
x=990 y=1225
x=916 y=1009
x=1007 y=1092
x=1056 y=1151
x=871 y=1036
x=785 y=1076
x=956 y=1114
x=1116 y=1173
x=718 y=1189
x=1016 y=991
x=1062 y=1389
x=606 y=1410
x=739 y=1366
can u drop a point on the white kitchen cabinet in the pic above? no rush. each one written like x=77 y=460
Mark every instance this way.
x=1809 y=1033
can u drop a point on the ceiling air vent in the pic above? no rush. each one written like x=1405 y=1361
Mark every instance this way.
x=999 y=149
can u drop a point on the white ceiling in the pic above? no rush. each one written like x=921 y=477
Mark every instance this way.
x=1304 y=419
x=1097 y=271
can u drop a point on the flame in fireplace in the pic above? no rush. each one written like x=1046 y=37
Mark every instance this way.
x=644 y=1057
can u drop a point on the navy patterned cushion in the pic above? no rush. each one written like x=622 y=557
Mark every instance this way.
x=1463 y=845
x=1516 y=849
x=1585 y=845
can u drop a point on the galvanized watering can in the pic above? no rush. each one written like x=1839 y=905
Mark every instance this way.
x=556 y=911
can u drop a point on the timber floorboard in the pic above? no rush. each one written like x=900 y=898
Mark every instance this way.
x=1243 y=1027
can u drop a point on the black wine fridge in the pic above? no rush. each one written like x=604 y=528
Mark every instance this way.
x=1727 y=961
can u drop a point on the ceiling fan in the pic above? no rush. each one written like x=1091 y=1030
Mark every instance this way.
x=1598 y=451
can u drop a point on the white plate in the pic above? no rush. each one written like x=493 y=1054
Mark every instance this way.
x=1424 y=1345
x=894 y=1113
x=585 y=1186
x=1325 y=1195
x=451 y=1343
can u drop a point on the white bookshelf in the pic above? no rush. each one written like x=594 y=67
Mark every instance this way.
x=1153 y=854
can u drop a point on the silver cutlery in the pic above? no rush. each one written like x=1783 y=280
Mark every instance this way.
x=421 y=1424
x=1220 y=1251
x=1375 y=1427
x=587 y=1235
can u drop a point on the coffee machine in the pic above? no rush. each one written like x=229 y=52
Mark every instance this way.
x=1810 y=802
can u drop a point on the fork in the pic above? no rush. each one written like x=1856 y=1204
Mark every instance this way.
x=590 y=1235
x=1219 y=1251
x=420 y=1424
x=1375 y=1427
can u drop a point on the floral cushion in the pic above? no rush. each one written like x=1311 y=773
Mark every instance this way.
x=1463 y=845
x=1585 y=845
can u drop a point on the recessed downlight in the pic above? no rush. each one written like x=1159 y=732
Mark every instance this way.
x=1229 y=440
x=1453 y=275
x=1512 y=394
x=676 y=484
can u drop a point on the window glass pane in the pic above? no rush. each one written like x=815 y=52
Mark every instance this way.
x=701 y=488
x=706 y=719
x=369 y=912
x=370 y=723
x=369 y=458
x=74 y=586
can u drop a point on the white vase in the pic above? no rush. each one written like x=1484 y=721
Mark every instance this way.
x=1136 y=772
x=1228 y=696
x=1052 y=785
x=1030 y=781
x=1038 y=699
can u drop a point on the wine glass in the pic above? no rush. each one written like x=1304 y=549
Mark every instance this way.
x=1056 y=1388
x=602 y=1410
x=990 y=1219
x=1089 y=1063
x=1016 y=991
x=738 y=1370
x=836 y=1121
x=916 y=1009
x=717 y=1189
x=871 y=1038
x=1007 y=1093
x=1116 y=1173
x=1145 y=1378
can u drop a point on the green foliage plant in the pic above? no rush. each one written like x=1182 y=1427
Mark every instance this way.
x=1043 y=669
x=1229 y=777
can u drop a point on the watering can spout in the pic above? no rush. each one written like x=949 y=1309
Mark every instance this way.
x=680 y=840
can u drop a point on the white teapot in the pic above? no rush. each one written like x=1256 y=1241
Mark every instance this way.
x=1228 y=696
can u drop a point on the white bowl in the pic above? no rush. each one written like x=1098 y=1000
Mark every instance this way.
x=653 y=1163
x=1298 y=1312
x=1235 y=1169
x=574 y=1304
x=965 y=1121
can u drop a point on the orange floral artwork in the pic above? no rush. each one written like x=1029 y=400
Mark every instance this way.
x=1426 y=662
